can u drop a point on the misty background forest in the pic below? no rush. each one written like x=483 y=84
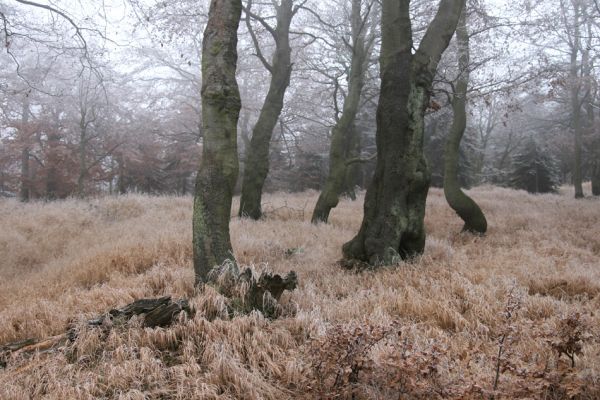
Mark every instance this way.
x=252 y=199
x=114 y=107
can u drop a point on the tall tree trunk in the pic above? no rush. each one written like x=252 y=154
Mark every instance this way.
x=83 y=168
x=596 y=179
x=394 y=209
x=576 y=104
x=25 y=192
x=121 y=179
x=220 y=112
x=256 y=165
x=353 y=171
x=342 y=132
x=464 y=206
x=590 y=94
x=52 y=161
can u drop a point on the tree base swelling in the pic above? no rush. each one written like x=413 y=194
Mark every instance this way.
x=466 y=209
x=394 y=211
x=159 y=312
x=247 y=293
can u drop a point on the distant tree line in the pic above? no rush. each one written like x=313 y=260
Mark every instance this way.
x=73 y=124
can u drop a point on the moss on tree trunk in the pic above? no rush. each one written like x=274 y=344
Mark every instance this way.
x=219 y=166
x=394 y=209
x=464 y=206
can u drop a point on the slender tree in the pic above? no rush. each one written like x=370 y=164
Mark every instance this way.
x=25 y=192
x=575 y=49
x=394 y=210
x=596 y=179
x=256 y=164
x=465 y=207
x=344 y=131
x=220 y=112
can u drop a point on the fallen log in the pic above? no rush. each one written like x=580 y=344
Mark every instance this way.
x=156 y=312
x=159 y=312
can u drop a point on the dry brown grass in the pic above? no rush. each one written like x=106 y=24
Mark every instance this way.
x=66 y=261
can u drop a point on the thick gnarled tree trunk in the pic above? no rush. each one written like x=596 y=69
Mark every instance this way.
x=394 y=209
x=256 y=165
x=220 y=111
x=343 y=133
x=464 y=206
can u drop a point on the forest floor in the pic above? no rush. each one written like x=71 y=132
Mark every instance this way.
x=514 y=314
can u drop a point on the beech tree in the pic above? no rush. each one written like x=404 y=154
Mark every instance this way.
x=220 y=112
x=256 y=163
x=394 y=209
x=465 y=207
x=342 y=137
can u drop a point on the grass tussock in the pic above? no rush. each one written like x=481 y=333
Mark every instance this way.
x=511 y=315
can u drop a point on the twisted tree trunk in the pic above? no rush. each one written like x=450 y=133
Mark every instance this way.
x=256 y=166
x=394 y=209
x=464 y=206
x=219 y=166
x=343 y=131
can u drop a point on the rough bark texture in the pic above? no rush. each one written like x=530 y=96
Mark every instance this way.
x=394 y=207
x=219 y=166
x=464 y=206
x=344 y=131
x=256 y=165
x=247 y=292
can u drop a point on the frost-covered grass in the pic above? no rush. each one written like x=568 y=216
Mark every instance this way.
x=73 y=259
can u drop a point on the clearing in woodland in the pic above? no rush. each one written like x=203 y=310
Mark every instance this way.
x=513 y=314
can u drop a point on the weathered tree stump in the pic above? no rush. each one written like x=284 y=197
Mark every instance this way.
x=248 y=293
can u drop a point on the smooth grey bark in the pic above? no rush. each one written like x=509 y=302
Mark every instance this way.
x=466 y=208
x=219 y=166
x=344 y=132
x=256 y=165
x=394 y=210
